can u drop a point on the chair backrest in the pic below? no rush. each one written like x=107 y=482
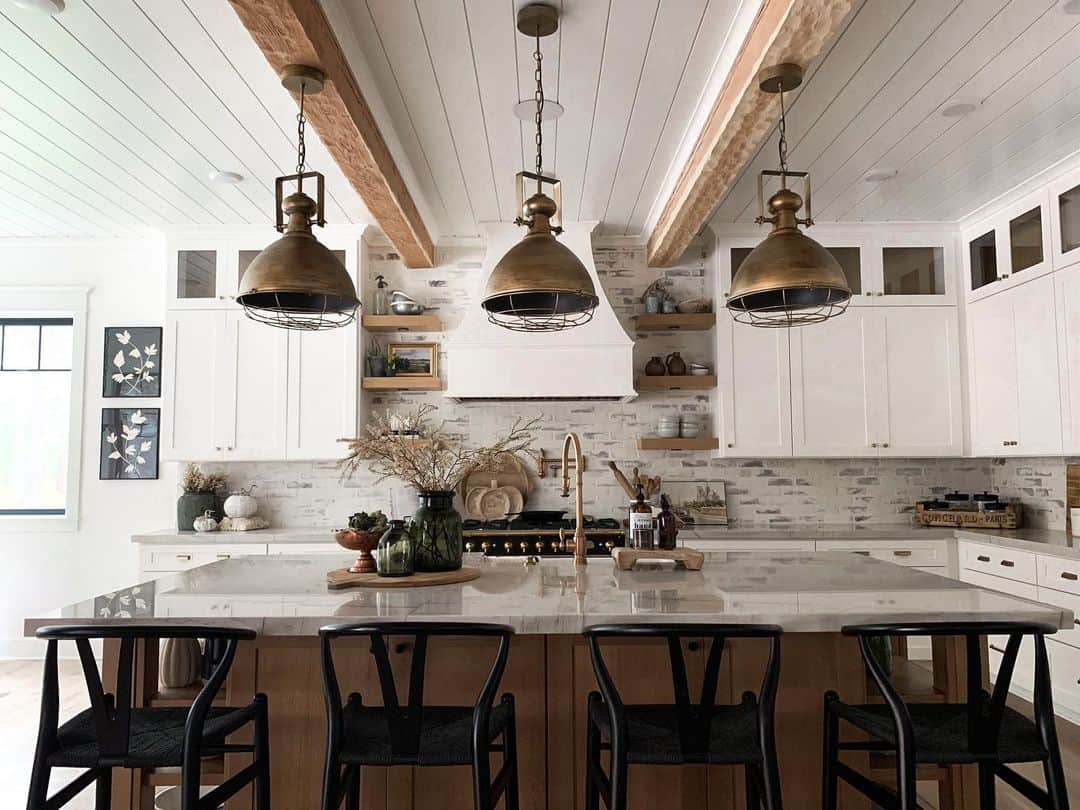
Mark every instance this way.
x=693 y=735
x=112 y=710
x=405 y=722
x=985 y=710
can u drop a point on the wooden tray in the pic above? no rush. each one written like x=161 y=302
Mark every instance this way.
x=626 y=558
x=1012 y=518
x=341 y=578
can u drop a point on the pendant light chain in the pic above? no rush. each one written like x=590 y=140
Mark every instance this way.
x=301 y=147
x=782 y=128
x=538 y=95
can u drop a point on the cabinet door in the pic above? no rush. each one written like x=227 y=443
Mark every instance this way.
x=831 y=385
x=322 y=393
x=1065 y=219
x=919 y=412
x=914 y=270
x=199 y=274
x=755 y=389
x=992 y=374
x=1067 y=298
x=981 y=260
x=255 y=379
x=1037 y=386
x=192 y=412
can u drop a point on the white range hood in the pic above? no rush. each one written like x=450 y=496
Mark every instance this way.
x=488 y=363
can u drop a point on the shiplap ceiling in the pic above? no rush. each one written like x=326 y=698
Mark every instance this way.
x=630 y=73
x=875 y=101
x=113 y=114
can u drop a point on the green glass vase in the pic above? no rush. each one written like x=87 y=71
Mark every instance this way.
x=395 y=556
x=436 y=532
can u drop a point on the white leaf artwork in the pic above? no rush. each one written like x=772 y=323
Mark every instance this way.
x=133 y=362
x=114 y=454
x=118 y=361
x=123 y=338
x=144 y=446
x=137 y=453
x=118 y=377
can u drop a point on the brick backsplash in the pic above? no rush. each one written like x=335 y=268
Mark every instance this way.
x=761 y=492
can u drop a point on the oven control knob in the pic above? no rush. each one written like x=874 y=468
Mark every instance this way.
x=539 y=546
x=609 y=545
x=524 y=547
x=508 y=546
x=469 y=547
x=485 y=547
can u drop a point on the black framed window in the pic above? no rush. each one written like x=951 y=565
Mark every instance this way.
x=35 y=389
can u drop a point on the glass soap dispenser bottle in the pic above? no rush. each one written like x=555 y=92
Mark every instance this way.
x=667 y=529
x=642 y=535
x=396 y=552
x=381 y=304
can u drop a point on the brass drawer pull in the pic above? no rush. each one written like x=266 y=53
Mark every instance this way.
x=902 y=553
x=184 y=557
x=1008 y=563
x=997 y=649
x=224 y=556
x=863 y=553
x=1069 y=575
x=983 y=558
x=1076 y=622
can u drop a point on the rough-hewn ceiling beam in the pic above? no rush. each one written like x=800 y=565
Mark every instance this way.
x=741 y=117
x=298 y=32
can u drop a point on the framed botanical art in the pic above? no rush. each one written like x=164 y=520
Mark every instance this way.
x=129 y=443
x=413 y=359
x=132 y=364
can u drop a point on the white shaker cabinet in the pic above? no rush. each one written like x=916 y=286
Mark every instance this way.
x=253 y=383
x=1067 y=291
x=193 y=339
x=832 y=377
x=754 y=379
x=1015 y=399
x=322 y=398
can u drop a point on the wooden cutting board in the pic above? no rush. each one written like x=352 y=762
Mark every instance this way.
x=511 y=473
x=341 y=578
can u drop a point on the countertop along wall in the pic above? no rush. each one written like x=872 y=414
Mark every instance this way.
x=42 y=570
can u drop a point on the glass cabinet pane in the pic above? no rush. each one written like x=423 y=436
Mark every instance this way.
x=848 y=257
x=1025 y=240
x=1069 y=208
x=983 y=251
x=196 y=274
x=913 y=270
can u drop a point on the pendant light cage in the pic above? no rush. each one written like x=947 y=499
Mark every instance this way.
x=296 y=282
x=543 y=311
x=790 y=309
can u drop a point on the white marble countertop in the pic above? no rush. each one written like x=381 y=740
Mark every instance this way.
x=1053 y=542
x=803 y=592
x=173 y=537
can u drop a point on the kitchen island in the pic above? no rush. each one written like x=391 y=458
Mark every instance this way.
x=812 y=595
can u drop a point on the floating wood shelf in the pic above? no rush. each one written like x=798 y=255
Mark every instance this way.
x=697 y=322
x=671 y=382
x=700 y=443
x=402 y=323
x=402 y=384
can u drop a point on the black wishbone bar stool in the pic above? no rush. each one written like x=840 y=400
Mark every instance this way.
x=113 y=733
x=683 y=732
x=415 y=734
x=982 y=731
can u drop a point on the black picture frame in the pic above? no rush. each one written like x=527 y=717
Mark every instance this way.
x=140 y=381
x=129 y=444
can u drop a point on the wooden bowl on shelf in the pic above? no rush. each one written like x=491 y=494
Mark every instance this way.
x=363 y=543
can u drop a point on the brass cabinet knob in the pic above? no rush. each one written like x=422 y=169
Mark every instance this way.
x=885 y=445
x=468 y=546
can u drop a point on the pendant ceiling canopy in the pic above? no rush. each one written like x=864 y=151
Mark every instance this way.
x=297 y=282
x=539 y=285
x=789 y=279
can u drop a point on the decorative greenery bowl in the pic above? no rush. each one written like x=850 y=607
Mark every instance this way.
x=362 y=542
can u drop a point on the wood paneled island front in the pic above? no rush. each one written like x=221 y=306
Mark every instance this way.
x=810 y=595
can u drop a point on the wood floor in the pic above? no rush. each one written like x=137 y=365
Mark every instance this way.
x=20 y=701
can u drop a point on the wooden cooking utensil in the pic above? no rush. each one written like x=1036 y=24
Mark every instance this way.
x=627 y=488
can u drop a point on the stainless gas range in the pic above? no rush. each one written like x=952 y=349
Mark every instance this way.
x=529 y=534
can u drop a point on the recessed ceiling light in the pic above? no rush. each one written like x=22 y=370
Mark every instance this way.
x=226 y=178
x=880 y=175
x=958 y=109
x=1070 y=6
x=526 y=110
x=49 y=7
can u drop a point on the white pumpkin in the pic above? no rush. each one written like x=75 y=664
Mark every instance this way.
x=205 y=522
x=241 y=504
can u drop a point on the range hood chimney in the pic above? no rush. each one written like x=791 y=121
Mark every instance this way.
x=487 y=363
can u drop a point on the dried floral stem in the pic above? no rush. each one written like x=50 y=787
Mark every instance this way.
x=425 y=456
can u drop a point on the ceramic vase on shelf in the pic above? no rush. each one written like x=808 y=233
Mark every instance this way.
x=655 y=367
x=181 y=662
x=191 y=505
x=437 y=533
x=676 y=366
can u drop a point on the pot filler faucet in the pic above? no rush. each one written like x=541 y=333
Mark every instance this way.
x=580 y=557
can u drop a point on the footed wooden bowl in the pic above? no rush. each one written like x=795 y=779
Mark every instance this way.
x=362 y=542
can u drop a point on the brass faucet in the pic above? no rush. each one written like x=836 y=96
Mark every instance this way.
x=580 y=557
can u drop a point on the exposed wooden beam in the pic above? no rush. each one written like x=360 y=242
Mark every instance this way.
x=742 y=117
x=298 y=32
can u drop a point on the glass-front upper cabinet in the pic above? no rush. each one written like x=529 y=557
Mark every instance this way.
x=1008 y=248
x=913 y=269
x=1065 y=219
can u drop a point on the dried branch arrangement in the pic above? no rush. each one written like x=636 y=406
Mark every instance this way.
x=195 y=480
x=424 y=455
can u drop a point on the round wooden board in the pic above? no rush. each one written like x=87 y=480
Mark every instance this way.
x=341 y=578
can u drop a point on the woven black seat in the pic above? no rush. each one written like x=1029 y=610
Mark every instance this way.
x=115 y=733
x=415 y=734
x=682 y=732
x=981 y=731
x=445 y=735
x=653 y=733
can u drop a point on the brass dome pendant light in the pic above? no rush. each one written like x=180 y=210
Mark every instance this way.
x=296 y=282
x=539 y=285
x=789 y=279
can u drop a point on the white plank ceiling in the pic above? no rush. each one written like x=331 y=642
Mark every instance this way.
x=113 y=114
x=875 y=101
x=630 y=73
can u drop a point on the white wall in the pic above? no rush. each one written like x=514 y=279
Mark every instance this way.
x=40 y=570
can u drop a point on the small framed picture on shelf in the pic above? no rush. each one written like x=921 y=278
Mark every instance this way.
x=132 y=364
x=413 y=359
x=698 y=503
